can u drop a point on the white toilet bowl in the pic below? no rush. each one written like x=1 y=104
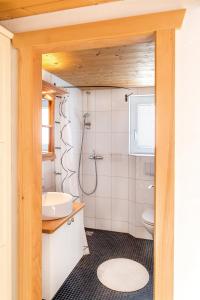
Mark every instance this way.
x=148 y=220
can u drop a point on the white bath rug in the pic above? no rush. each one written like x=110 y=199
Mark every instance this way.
x=122 y=275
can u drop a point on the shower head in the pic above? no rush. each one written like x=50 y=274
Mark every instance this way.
x=85 y=123
x=86 y=115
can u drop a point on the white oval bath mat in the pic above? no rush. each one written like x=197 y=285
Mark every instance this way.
x=122 y=275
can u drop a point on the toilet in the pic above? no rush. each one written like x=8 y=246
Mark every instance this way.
x=148 y=220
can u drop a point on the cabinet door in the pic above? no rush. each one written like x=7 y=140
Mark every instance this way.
x=76 y=239
x=62 y=250
x=60 y=255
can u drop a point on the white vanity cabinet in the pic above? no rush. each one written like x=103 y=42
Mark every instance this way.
x=61 y=251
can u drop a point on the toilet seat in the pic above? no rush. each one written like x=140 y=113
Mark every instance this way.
x=148 y=217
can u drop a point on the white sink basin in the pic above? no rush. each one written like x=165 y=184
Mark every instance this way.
x=56 y=205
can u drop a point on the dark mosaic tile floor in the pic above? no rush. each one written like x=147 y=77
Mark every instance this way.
x=83 y=284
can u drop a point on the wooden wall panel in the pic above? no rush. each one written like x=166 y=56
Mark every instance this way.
x=164 y=192
x=7 y=245
x=29 y=170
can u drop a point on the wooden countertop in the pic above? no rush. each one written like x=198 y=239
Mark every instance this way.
x=52 y=225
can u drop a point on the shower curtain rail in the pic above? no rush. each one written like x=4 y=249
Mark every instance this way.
x=96 y=86
x=100 y=86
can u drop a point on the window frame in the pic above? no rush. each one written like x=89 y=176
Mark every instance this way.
x=135 y=150
x=50 y=155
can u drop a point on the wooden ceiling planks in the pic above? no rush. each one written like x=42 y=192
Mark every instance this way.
x=22 y=8
x=127 y=66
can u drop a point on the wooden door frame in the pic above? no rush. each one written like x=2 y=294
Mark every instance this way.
x=87 y=36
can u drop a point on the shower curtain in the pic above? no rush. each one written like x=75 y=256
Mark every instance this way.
x=67 y=148
x=66 y=160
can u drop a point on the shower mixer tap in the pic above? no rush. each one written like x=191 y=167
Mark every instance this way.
x=94 y=156
x=87 y=125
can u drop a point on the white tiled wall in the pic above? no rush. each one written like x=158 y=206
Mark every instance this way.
x=122 y=193
x=48 y=176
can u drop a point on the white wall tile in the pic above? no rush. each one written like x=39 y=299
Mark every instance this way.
x=131 y=229
x=90 y=204
x=120 y=165
x=48 y=175
x=120 y=188
x=103 y=143
x=120 y=143
x=104 y=187
x=103 y=121
x=132 y=190
x=118 y=99
x=103 y=208
x=103 y=224
x=120 y=121
x=88 y=165
x=132 y=166
x=131 y=212
x=120 y=210
x=89 y=101
x=89 y=142
x=89 y=222
x=143 y=193
x=119 y=226
x=104 y=166
x=144 y=167
x=103 y=100
x=114 y=206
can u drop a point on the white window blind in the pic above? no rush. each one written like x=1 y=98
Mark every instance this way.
x=141 y=125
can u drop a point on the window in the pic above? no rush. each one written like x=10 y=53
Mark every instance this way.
x=141 y=125
x=48 y=128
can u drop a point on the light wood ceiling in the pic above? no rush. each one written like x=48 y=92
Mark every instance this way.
x=22 y=8
x=126 y=66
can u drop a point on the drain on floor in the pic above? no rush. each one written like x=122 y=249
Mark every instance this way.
x=89 y=233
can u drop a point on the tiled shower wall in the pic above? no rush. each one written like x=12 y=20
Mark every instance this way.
x=122 y=193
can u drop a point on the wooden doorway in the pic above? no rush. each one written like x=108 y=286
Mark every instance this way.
x=31 y=46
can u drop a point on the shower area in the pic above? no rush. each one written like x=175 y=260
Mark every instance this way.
x=117 y=183
x=92 y=158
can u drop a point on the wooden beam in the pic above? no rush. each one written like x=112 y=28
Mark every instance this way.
x=99 y=34
x=29 y=174
x=48 y=88
x=22 y=8
x=164 y=192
